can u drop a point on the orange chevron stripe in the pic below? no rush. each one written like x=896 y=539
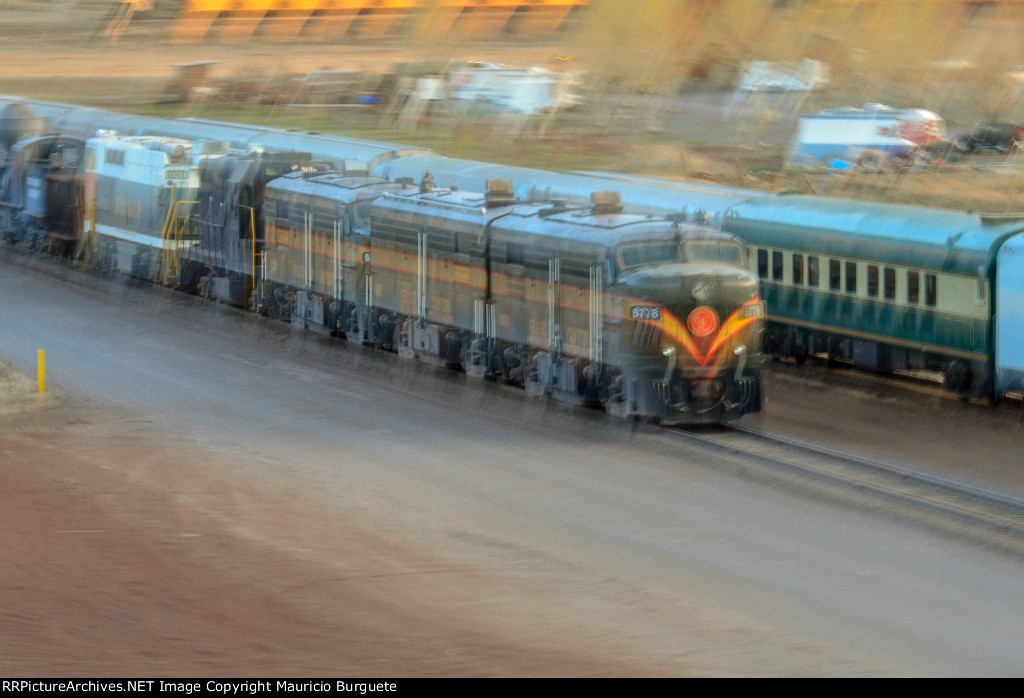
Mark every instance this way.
x=732 y=325
x=672 y=326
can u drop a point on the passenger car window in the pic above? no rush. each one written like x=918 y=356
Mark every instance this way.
x=851 y=277
x=762 y=264
x=834 y=270
x=812 y=271
x=890 y=284
x=798 y=268
x=872 y=281
x=930 y=290
x=776 y=265
x=913 y=287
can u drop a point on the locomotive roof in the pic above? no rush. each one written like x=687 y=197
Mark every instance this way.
x=889 y=233
x=600 y=229
x=75 y=119
x=549 y=219
x=640 y=194
x=333 y=185
x=476 y=203
x=113 y=139
x=445 y=198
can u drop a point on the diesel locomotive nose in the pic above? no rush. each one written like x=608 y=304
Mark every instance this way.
x=698 y=327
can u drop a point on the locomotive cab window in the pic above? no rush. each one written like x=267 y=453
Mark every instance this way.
x=714 y=251
x=113 y=157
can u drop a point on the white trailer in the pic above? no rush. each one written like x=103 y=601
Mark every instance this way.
x=850 y=134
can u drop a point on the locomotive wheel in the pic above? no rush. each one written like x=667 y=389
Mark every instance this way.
x=834 y=353
x=958 y=378
x=800 y=354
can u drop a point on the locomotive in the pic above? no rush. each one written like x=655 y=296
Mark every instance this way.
x=647 y=317
x=228 y=256
x=140 y=202
x=314 y=270
x=40 y=186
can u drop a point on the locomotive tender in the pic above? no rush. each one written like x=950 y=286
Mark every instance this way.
x=974 y=331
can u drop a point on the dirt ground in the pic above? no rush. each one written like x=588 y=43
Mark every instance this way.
x=129 y=552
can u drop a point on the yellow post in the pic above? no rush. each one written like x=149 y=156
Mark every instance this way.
x=42 y=371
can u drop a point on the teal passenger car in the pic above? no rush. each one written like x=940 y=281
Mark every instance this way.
x=883 y=285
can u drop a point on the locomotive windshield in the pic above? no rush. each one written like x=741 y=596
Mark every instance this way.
x=714 y=251
x=640 y=253
x=637 y=254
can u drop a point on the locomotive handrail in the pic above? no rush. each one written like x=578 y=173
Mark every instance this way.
x=252 y=234
x=172 y=234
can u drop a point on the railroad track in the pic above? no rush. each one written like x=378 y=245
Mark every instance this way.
x=995 y=511
x=923 y=382
x=995 y=514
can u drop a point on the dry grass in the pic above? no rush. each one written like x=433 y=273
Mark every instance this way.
x=55 y=50
x=17 y=391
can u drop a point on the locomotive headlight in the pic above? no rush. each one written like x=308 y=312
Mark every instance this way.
x=753 y=310
x=740 y=350
x=702 y=291
x=670 y=354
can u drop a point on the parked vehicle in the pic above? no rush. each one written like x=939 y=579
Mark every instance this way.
x=850 y=135
x=1001 y=137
